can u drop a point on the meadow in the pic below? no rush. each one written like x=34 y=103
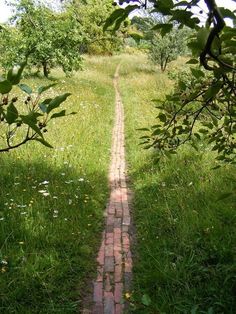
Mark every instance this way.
x=185 y=235
x=52 y=203
x=52 y=200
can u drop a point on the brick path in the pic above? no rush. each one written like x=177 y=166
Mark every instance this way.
x=114 y=257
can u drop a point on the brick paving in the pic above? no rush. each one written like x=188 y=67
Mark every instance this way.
x=114 y=259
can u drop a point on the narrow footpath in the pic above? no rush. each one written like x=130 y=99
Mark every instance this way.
x=114 y=259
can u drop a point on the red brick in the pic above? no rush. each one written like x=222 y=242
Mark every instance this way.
x=119 y=309
x=101 y=253
x=125 y=238
x=119 y=213
x=109 y=250
x=108 y=286
x=117 y=233
x=111 y=209
x=118 y=273
x=126 y=220
x=109 y=306
x=117 y=223
x=109 y=238
x=118 y=257
x=109 y=264
x=128 y=265
x=97 y=308
x=97 y=292
x=118 y=292
x=110 y=219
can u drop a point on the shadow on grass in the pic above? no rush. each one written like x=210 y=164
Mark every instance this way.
x=186 y=237
x=50 y=221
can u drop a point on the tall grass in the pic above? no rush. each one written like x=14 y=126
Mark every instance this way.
x=52 y=201
x=184 y=257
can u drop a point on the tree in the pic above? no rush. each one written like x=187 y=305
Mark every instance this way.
x=92 y=15
x=49 y=38
x=204 y=105
x=167 y=48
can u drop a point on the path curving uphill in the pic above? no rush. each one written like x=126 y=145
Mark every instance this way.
x=114 y=259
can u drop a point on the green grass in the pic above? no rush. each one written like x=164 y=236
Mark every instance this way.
x=184 y=255
x=52 y=200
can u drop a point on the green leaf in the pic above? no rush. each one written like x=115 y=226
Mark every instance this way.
x=42 y=141
x=30 y=121
x=113 y=17
x=14 y=74
x=25 y=88
x=5 y=87
x=164 y=6
x=146 y=300
x=184 y=17
x=118 y=16
x=42 y=89
x=197 y=73
x=43 y=105
x=54 y=103
x=202 y=36
x=58 y=114
x=192 y=61
x=143 y=129
x=226 y=13
x=12 y=113
x=165 y=28
x=212 y=91
x=162 y=117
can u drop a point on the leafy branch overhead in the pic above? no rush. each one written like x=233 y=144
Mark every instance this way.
x=202 y=105
x=27 y=121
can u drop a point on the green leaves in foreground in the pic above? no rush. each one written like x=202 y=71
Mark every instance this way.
x=26 y=116
x=119 y=16
x=196 y=111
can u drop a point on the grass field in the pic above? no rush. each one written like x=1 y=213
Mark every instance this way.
x=185 y=242
x=52 y=200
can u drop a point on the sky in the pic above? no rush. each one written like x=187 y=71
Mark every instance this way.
x=5 y=11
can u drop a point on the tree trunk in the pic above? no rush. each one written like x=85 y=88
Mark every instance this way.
x=45 y=69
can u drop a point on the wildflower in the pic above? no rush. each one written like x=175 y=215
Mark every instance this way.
x=1 y=219
x=127 y=295
x=70 y=202
x=42 y=191
x=81 y=179
x=44 y=183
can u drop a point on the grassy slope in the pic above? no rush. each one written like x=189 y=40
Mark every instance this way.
x=184 y=261
x=48 y=242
